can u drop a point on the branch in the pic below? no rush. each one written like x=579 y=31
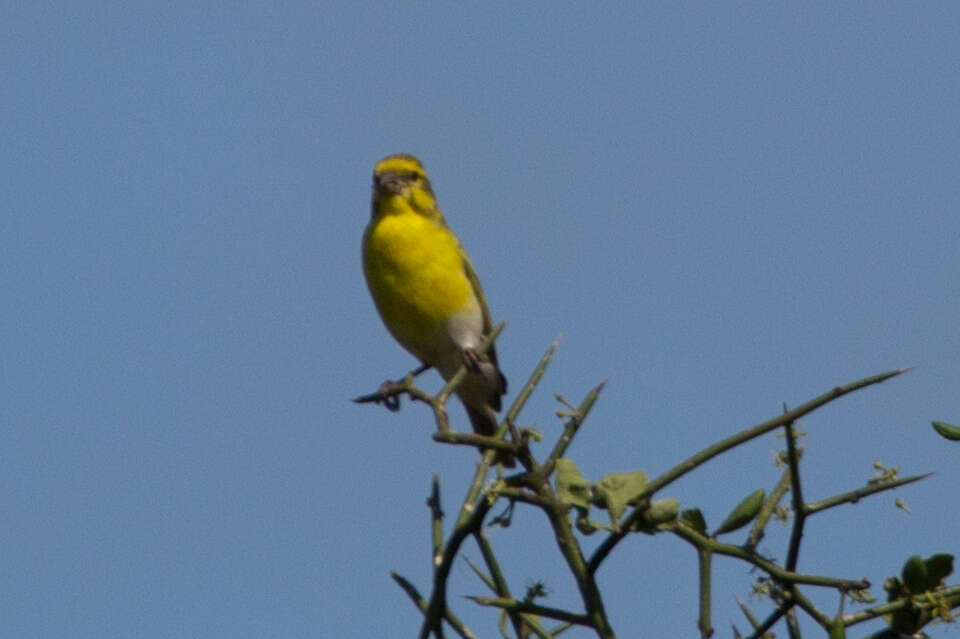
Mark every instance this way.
x=825 y=622
x=472 y=439
x=573 y=424
x=436 y=518
x=497 y=582
x=477 y=484
x=389 y=392
x=774 y=617
x=756 y=532
x=951 y=595
x=704 y=560
x=437 y=607
x=796 y=492
x=512 y=605
x=422 y=604
x=530 y=622
x=557 y=513
x=710 y=452
x=772 y=569
x=854 y=496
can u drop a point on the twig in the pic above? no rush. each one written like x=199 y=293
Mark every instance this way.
x=558 y=515
x=796 y=496
x=469 y=502
x=950 y=594
x=573 y=424
x=854 y=496
x=751 y=618
x=496 y=577
x=438 y=599
x=530 y=608
x=436 y=519
x=767 y=623
x=807 y=606
x=471 y=439
x=389 y=393
x=422 y=604
x=710 y=452
x=763 y=517
x=775 y=571
x=704 y=560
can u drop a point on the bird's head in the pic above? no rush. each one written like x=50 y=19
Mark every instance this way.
x=401 y=184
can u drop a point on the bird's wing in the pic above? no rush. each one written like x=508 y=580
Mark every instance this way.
x=484 y=309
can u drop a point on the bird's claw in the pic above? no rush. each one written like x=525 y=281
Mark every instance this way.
x=388 y=396
x=472 y=360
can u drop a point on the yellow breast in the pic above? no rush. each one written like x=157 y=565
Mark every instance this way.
x=414 y=269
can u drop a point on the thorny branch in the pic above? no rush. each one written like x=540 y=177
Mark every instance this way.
x=532 y=487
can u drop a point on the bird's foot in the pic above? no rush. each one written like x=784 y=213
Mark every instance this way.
x=473 y=360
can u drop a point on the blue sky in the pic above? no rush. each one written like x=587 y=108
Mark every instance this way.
x=721 y=208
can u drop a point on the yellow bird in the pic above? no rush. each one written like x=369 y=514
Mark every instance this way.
x=425 y=288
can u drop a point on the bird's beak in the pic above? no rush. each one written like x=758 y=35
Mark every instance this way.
x=389 y=182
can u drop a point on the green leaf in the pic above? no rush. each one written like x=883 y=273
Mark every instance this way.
x=743 y=514
x=894 y=588
x=939 y=567
x=921 y=575
x=661 y=511
x=616 y=490
x=914 y=574
x=694 y=518
x=571 y=486
x=906 y=621
x=947 y=431
x=587 y=527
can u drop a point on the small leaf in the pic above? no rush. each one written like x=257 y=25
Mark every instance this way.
x=662 y=511
x=906 y=621
x=894 y=588
x=743 y=514
x=914 y=574
x=587 y=527
x=947 y=431
x=694 y=518
x=939 y=567
x=659 y=512
x=616 y=490
x=571 y=486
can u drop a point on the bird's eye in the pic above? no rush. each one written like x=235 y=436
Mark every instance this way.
x=413 y=176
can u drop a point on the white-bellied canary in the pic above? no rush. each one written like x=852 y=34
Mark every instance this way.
x=425 y=288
